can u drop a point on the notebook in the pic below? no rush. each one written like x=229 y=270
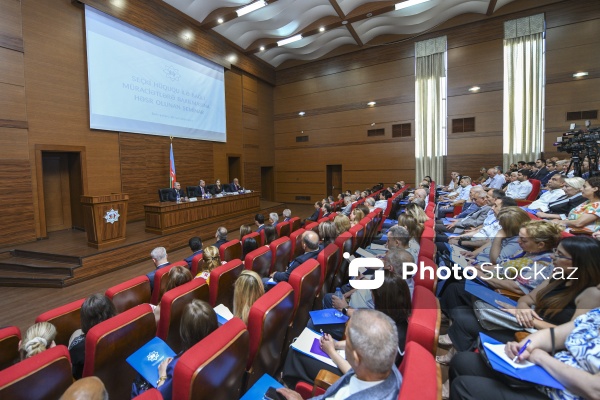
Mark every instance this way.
x=223 y=314
x=147 y=359
x=304 y=344
x=327 y=316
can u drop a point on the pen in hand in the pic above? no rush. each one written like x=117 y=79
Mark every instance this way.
x=527 y=343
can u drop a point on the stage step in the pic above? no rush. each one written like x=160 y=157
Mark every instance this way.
x=32 y=279
x=44 y=271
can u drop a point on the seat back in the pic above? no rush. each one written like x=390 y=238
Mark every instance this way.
x=281 y=252
x=421 y=375
x=66 y=319
x=344 y=243
x=213 y=368
x=44 y=376
x=130 y=293
x=305 y=281
x=222 y=280
x=427 y=248
x=231 y=250
x=424 y=322
x=313 y=226
x=191 y=191
x=253 y=235
x=535 y=189
x=195 y=263
x=150 y=394
x=163 y=194
x=296 y=239
x=283 y=229
x=358 y=234
x=295 y=224
x=109 y=343
x=259 y=261
x=160 y=280
x=427 y=281
x=329 y=261
x=9 y=346
x=172 y=305
x=268 y=322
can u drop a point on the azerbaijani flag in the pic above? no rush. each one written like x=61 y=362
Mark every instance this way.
x=172 y=175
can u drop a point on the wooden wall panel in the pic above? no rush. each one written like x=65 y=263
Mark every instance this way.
x=13 y=144
x=12 y=103
x=11 y=67
x=17 y=214
x=10 y=25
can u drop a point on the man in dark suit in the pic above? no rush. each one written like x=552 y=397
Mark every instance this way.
x=259 y=220
x=159 y=258
x=273 y=219
x=235 y=185
x=195 y=244
x=221 y=236
x=177 y=193
x=310 y=245
x=201 y=190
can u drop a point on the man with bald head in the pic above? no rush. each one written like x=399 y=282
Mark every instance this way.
x=371 y=347
x=89 y=388
x=495 y=179
x=310 y=245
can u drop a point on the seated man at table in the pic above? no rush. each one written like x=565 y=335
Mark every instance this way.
x=235 y=185
x=371 y=347
x=159 y=258
x=201 y=189
x=310 y=245
x=177 y=193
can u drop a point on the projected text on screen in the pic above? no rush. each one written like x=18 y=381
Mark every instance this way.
x=140 y=83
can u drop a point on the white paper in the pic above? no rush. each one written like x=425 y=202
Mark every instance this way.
x=304 y=343
x=498 y=349
x=223 y=311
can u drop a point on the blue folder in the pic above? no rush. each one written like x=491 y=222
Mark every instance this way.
x=148 y=357
x=450 y=234
x=327 y=316
x=534 y=374
x=258 y=390
x=487 y=295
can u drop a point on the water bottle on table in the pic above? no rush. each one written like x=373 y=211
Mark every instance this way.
x=339 y=295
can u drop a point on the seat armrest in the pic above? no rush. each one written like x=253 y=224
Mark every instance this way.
x=325 y=379
x=509 y=294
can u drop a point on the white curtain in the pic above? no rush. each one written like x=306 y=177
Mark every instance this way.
x=524 y=81
x=430 y=108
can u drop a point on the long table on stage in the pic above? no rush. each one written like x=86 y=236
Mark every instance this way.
x=169 y=217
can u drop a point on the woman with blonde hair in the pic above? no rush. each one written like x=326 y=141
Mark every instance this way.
x=245 y=230
x=417 y=212
x=247 y=289
x=39 y=337
x=342 y=224
x=177 y=276
x=211 y=260
x=356 y=216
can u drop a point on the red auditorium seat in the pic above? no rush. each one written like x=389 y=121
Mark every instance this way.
x=195 y=260
x=358 y=234
x=428 y=233
x=253 y=235
x=231 y=250
x=329 y=259
x=296 y=239
x=109 y=343
x=268 y=322
x=44 y=376
x=324 y=219
x=281 y=252
x=130 y=293
x=222 y=280
x=313 y=226
x=9 y=346
x=424 y=322
x=213 y=368
x=295 y=224
x=160 y=280
x=427 y=248
x=305 y=282
x=151 y=394
x=421 y=375
x=332 y=216
x=283 y=229
x=344 y=243
x=259 y=261
x=427 y=281
x=171 y=308
x=66 y=319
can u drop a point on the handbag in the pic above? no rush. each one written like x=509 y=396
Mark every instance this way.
x=493 y=319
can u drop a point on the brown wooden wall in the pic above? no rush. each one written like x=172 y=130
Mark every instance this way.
x=334 y=93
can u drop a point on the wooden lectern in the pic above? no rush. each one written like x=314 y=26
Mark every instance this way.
x=105 y=219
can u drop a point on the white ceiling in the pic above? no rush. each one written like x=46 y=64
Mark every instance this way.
x=356 y=23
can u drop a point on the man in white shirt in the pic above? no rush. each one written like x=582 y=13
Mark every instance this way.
x=521 y=188
x=495 y=180
x=554 y=191
x=463 y=195
x=382 y=202
x=451 y=186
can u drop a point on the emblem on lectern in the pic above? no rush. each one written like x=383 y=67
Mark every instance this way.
x=111 y=216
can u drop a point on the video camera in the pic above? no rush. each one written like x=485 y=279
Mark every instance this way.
x=575 y=141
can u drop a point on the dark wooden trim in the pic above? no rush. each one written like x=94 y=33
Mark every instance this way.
x=12 y=42
x=251 y=146
x=39 y=173
x=9 y=123
x=473 y=135
x=491 y=7
x=357 y=143
x=568 y=76
x=249 y=110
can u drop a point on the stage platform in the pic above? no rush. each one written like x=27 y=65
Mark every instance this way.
x=65 y=259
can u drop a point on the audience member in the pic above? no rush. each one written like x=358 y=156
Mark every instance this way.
x=586 y=216
x=177 y=276
x=195 y=244
x=327 y=233
x=247 y=289
x=572 y=198
x=315 y=215
x=287 y=215
x=520 y=188
x=270 y=234
x=159 y=258
x=342 y=224
x=95 y=309
x=221 y=236
x=355 y=216
x=249 y=245
x=553 y=193
x=37 y=338
x=259 y=220
x=211 y=260
x=310 y=245
x=245 y=230
x=88 y=388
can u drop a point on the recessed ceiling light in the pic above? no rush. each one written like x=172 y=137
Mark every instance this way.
x=372 y=123
x=262 y=48
x=118 y=3
x=474 y=89
x=369 y=15
x=289 y=40
x=322 y=29
x=371 y=103
x=232 y=58
x=409 y=3
x=251 y=7
x=301 y=113
x=580 y=74
x=186 y=35
x=344 y=22
x=220 y=20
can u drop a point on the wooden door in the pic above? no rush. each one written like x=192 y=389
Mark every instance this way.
x=57 y=192
x=334 y=180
